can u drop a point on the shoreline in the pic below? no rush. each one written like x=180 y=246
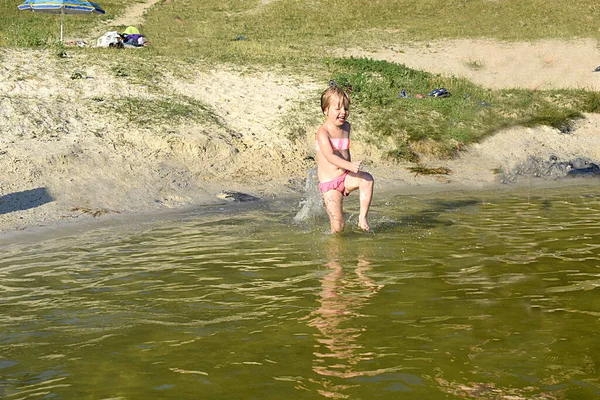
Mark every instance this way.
x=136 y=220
x=475 y=169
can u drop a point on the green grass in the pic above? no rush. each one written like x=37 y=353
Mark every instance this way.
x=293 y=30
x=282 y=30
x=398 y=125
x=303 y=37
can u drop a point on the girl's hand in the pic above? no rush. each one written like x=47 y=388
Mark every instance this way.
x=355 y=166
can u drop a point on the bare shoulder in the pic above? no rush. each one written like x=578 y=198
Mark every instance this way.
x=323 y=132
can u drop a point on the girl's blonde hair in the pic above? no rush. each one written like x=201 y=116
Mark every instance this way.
x=334 y=92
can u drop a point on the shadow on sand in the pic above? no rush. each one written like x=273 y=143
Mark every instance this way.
x=24 y=200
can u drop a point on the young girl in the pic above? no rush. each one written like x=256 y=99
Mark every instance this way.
x=338 y=174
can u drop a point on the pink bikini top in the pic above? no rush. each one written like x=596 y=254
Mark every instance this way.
x=336 y=144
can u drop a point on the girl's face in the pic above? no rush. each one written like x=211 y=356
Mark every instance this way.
x=337 y=112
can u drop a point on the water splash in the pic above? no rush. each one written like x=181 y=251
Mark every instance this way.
x=312 y=204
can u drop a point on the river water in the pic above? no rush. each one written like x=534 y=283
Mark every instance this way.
x=491 y=294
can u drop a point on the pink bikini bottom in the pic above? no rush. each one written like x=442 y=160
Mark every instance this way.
x=335 y=184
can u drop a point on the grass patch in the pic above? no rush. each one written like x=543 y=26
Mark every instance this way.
x=441 y=126
x=289 y=30
x=165 y=110
x=300 y=27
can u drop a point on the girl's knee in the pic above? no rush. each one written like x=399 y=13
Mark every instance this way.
x=367 y=180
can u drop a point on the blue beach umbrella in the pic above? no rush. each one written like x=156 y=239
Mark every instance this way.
x=62 y=7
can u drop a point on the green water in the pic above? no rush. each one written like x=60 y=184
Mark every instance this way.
x=488 y=295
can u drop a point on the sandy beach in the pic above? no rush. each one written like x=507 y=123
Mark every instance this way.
x=63 y=160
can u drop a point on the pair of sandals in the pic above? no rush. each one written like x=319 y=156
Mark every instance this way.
x=442 y=92
x=346 y=86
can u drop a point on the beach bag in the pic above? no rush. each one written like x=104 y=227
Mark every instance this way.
x=110 y=39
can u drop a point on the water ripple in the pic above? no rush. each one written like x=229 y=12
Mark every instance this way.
x=473 y=292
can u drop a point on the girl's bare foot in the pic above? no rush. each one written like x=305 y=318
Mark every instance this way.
x=364 y=226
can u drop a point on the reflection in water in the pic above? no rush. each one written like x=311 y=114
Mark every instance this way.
x=344 y=292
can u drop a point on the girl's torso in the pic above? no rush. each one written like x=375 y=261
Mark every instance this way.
x=327 y=171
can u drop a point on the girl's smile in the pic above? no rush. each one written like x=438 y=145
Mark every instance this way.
x=337 y=114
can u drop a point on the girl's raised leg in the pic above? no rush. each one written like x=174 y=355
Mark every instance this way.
x=364 y=182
